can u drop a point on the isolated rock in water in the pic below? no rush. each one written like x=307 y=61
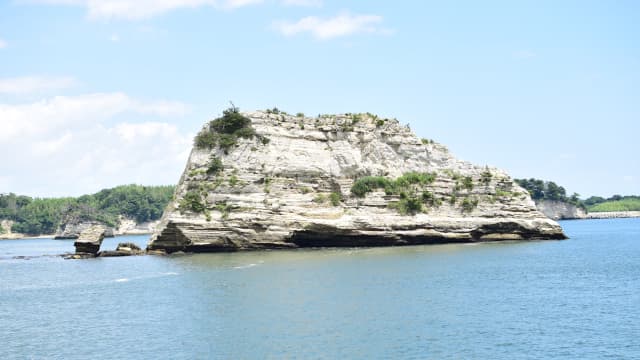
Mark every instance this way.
x=123 y=249
x=270 y=180
x=130 y=247
x=90 y=240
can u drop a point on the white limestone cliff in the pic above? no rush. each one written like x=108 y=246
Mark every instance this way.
x=294 y=190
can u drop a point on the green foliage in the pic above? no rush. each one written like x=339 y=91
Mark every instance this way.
x=541 y=190
x=320 y=199
x=206 y=140
x=347 y=128
x=430 y=199
x=502 y=193
x=468 y=204
x=467 y=183
x=335 y=198
x=215 y=165
x=224 y=209
x=417 y=178
x=594 y=200
x=408 y=205
x=233 y=181
x=192 y=201
x=300 y=115
x=426 y=141
x=380 y=122
x=629 y=203
x=365 y=185
x=225 y=131
x=486 y=177
x=36 y=216
x=368 y=184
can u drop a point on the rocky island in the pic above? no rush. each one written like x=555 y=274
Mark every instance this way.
x=267 y=180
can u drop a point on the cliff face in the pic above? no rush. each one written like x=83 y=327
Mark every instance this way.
x=71 y=227
x=292 y=185
x=558 y=210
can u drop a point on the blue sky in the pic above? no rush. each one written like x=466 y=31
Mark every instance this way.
x=97 y=93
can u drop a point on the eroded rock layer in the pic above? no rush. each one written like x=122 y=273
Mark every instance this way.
x=338 y=181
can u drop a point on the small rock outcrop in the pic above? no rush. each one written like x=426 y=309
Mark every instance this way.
x=559 y=210
x=268 y=180
x=89 y=241
x=128 y=226
x=72 y=228
x=123 y=249
x=5 y=230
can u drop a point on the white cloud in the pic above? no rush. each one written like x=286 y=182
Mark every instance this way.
x=80 y=144
x=341 y=25
x=114 y=38
x=65 y=111
x=3 y=44
x=142 y=9
x=310 y=3
x=34 y=84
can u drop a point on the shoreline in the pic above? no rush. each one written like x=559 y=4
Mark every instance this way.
x=2 y=238
x=607 y=215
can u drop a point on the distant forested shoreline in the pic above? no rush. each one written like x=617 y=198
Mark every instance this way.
x=37 y=216
x=549 y=190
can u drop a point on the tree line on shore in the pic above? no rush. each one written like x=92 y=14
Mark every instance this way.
x=549 y=190
x=37 y=216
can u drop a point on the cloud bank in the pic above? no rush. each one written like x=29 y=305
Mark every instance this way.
x=92 y=141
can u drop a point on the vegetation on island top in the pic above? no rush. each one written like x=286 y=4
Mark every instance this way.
x=37 y=216
x=225 y=131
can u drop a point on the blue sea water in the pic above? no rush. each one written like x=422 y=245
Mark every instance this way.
x=573 y=299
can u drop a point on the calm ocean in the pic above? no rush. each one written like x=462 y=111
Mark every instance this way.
x=573 y=299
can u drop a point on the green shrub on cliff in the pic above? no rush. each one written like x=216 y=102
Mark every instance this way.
x=215 y=165
x=467 y=183
x=486 y=176
x=408 y=205
x=192 y=201
x=335 y=199
x=225 y=131
x=469 y=204
x=367 y=184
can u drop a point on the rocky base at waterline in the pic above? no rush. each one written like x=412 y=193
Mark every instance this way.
x=268 y=180
x=123 y=249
